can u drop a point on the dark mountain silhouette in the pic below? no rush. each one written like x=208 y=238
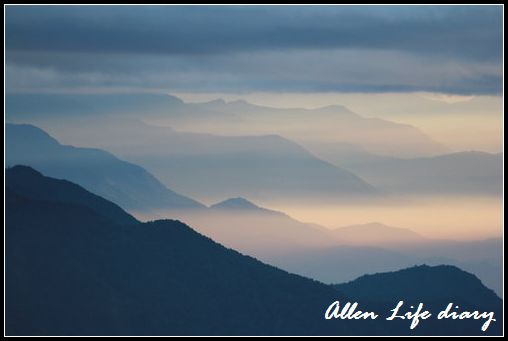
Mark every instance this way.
x=71 y=271
x=422 y=283
x=29 y=183
x=126 y=184
x=435 y=286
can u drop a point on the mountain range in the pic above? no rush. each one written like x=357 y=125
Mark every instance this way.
x=184 y=144
x=254 y=230
x=304 y=248
x=124 y=183
x=71 y=269
x=320 y=130
x=462 y=173
x=340 y=254
x=267 y=166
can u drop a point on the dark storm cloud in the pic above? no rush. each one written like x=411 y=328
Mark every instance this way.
x=459 y=31
x=456 y=49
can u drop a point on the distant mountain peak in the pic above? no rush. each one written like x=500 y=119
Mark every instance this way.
x=217 y=101
x=370 y=226
x=236 y=203
x=23 y=131
x=373 y=225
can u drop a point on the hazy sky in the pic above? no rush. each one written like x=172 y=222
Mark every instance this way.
x=451 y=49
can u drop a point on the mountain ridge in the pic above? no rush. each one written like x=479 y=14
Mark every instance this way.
x=397 y=283
x=126 y=184
x=242 y=204
x=251 y=166
x=29 y=183
x=70 y=271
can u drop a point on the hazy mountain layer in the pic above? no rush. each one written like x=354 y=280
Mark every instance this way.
x=126 y=184
x=340 y=254
x=321 y=130
x=394 y=157
x=212 y=167
x=458 y=173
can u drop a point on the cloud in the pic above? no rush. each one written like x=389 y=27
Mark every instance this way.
x=446 y=98
x=461 y=31
x=452 y=49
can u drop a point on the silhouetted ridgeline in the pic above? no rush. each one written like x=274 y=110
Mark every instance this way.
x=27 y=182
x=73 y=270
x=435 y=286
x=126 y=184
x=435 y=283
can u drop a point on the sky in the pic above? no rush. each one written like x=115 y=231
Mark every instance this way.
x=316 y=49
